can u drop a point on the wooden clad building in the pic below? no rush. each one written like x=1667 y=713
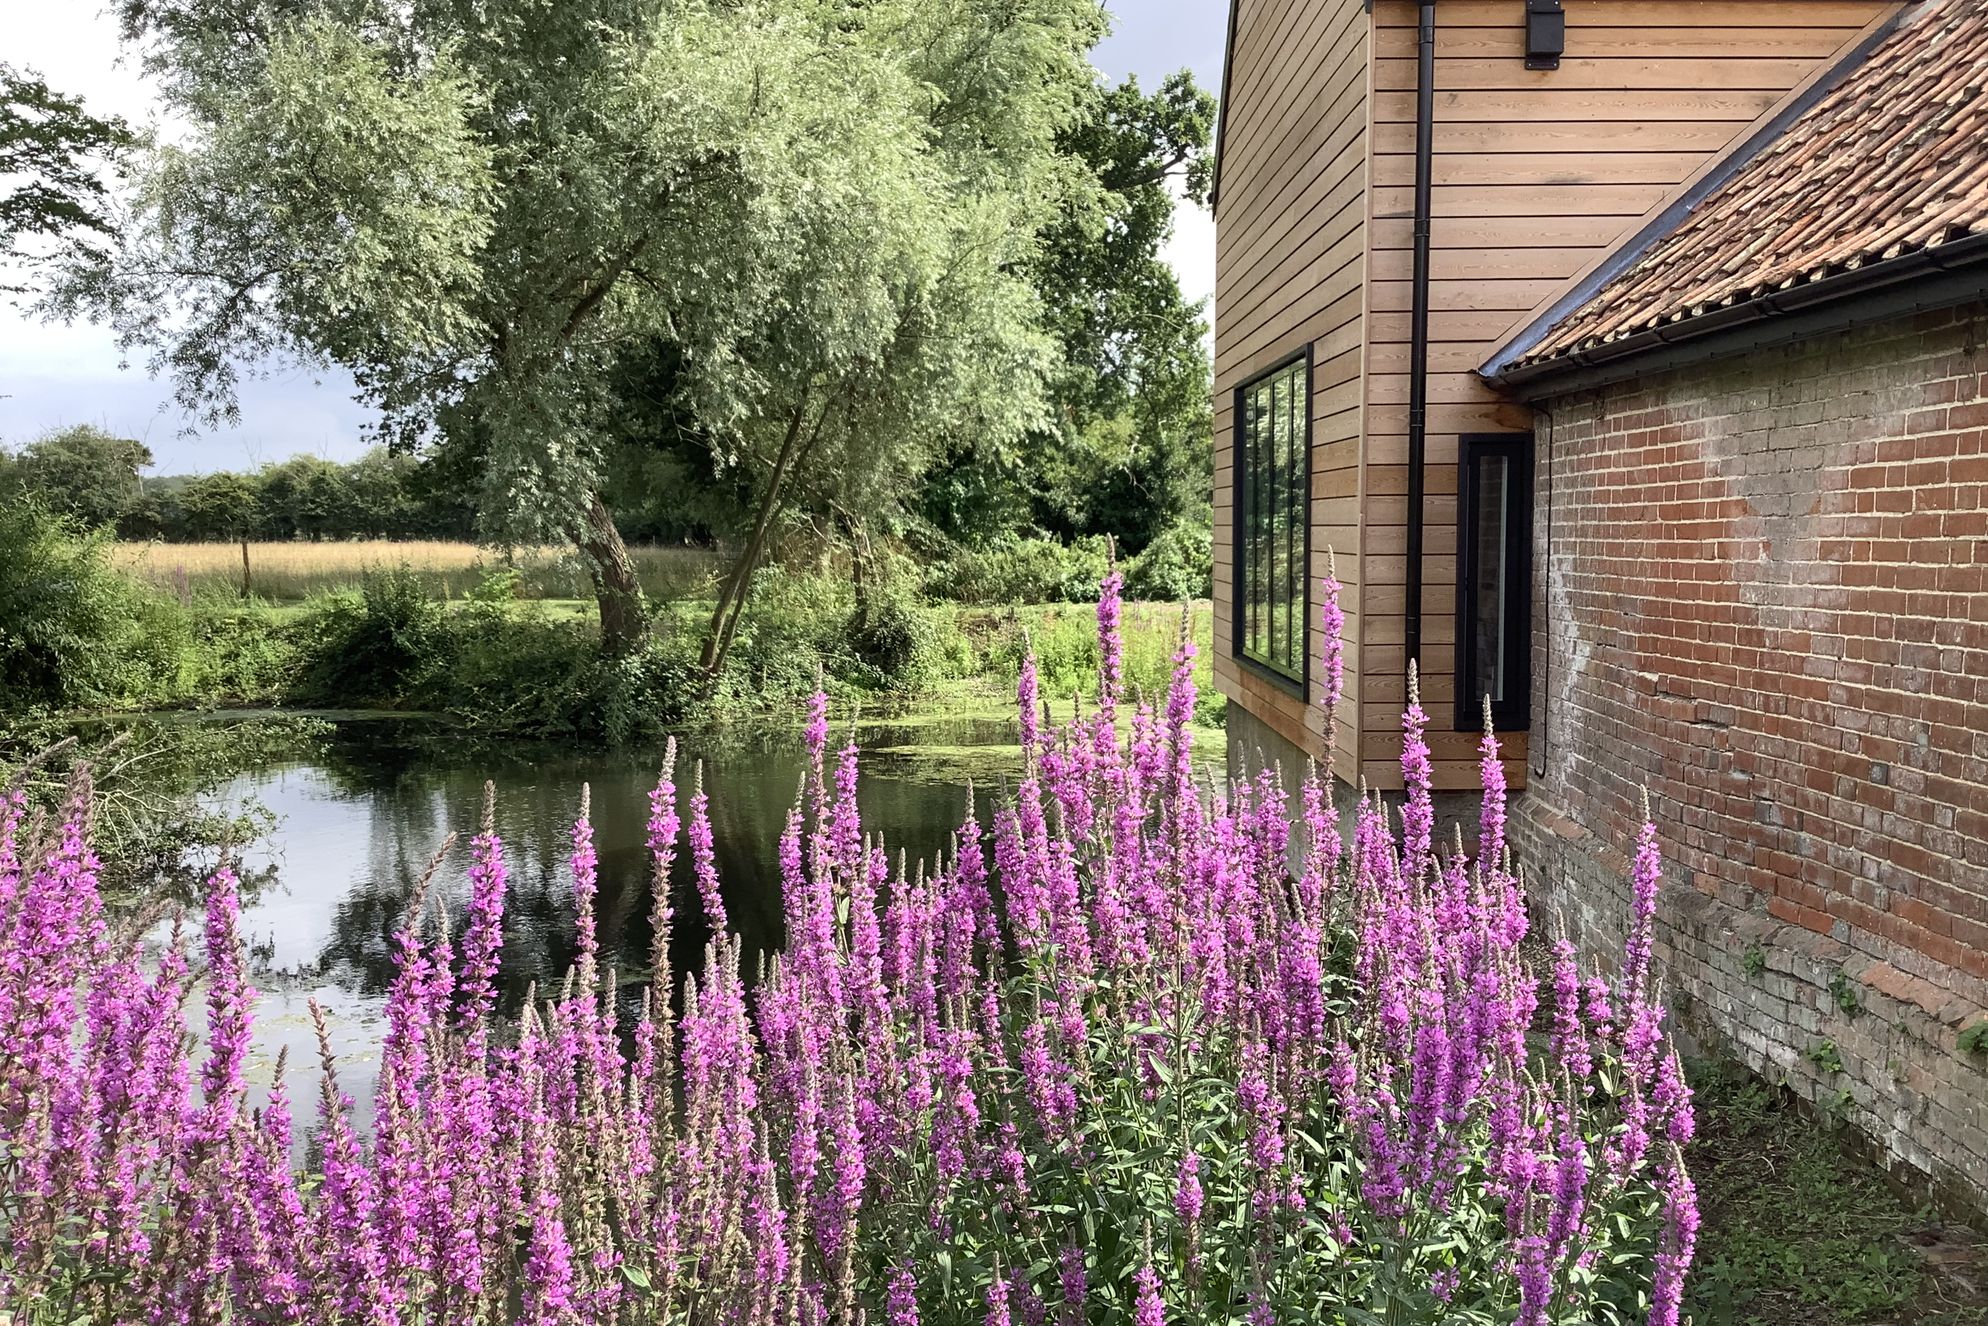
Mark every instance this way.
x=1698 y=491
x=1557 y=131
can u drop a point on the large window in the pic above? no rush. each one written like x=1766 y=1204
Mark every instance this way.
x=1494 y=580
x=1272 y=487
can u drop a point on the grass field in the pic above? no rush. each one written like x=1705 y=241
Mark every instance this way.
x=291 y=572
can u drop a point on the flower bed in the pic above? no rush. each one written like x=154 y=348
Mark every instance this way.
x=1135 y=1050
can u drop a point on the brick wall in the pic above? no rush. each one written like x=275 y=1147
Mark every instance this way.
x=1762 y=595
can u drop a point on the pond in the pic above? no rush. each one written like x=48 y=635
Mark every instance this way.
x=360 y=820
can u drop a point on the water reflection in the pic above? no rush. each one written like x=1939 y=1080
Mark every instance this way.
x=359 y=824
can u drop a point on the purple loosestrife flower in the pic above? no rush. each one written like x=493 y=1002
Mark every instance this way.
x=1672 y=1101
x=816 y=731
x=1570 y=1034
x=1074 y=1285
x=483 y=937
x=1332 y=641
x=346 y=1266
x=997 y=1301
x=228 y=1001
x=1679 y=1240
x=1491 y=816
x=1147 y=1307
x=704 y=857
x=1187 y=1194
x=1645 y=878
x=1418 y=812
x=586 y=885
x=1028 y=702
x=901 y=1301
x=1111 y=645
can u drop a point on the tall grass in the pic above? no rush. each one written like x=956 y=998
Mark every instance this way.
x=291 y=572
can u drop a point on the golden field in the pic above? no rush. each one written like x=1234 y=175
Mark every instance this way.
x=286 y=572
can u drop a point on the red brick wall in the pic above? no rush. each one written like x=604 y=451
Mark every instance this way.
x=1762 y=590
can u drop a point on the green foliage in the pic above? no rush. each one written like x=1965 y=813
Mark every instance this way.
x=1846 y=993
x=1754 y=961
x=1974 y=1039
x=212 y=506
x=1179 y=564
x=73 y=631
x=378 y=496
x=1824 y=1055
x=801 y=228
x=50 y=151
x=377 y=646
x=1796 y=1230
x=897 y=639
x=88 y=637
x=83 y=473
x=1064 y=638
x=1127 y=452
x=241 y=658
x=155 y=822
x=1015 y=569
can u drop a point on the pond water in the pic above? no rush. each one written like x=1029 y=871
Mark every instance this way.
x=360 y=821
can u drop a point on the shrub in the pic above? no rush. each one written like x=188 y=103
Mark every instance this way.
x=1110 y=1060
x=73 y=632
x=1021 y=570
x=373 y=647
x=242 y=658
x=515 y=671
x=1177 y=564
x=897 y=640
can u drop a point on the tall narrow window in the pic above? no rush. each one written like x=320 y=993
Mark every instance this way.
x=1494 y=580
x=1273 y=473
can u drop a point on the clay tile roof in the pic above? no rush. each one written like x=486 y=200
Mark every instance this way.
x=1891 y=160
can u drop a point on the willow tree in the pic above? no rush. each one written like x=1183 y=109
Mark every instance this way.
x=814 y=211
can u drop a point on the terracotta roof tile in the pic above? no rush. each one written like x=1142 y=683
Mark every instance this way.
x=1893 y=159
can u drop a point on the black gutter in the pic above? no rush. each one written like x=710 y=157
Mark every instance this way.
x=1673 y=216
x=1418 y=319
x=1940 y=277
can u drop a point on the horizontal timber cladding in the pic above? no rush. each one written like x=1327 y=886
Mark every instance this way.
x=1537 y=175
x=1291 y=253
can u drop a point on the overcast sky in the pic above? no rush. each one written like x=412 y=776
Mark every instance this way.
x=53 y=376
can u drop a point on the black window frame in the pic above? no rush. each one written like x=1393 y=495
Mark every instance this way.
x=1513 y=714
x=1242 y=494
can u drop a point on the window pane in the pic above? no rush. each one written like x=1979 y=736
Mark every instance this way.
x=1272 y=506
x=1491 y=576
x=1294 y=537
x=1259 y=422
x=1273 y=586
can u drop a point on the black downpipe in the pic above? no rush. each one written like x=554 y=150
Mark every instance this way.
x=1418 y=318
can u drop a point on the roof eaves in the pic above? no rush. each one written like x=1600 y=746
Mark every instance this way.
x=1499 y=367
x=1943 y=276
x=1222 y=107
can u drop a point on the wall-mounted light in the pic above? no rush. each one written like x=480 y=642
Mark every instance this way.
x=1546 y=34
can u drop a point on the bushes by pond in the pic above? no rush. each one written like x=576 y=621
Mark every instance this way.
x=76 y=634
x=1112 y=1059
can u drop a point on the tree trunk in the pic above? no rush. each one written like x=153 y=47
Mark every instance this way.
x=732 y=597
x=624 y=616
